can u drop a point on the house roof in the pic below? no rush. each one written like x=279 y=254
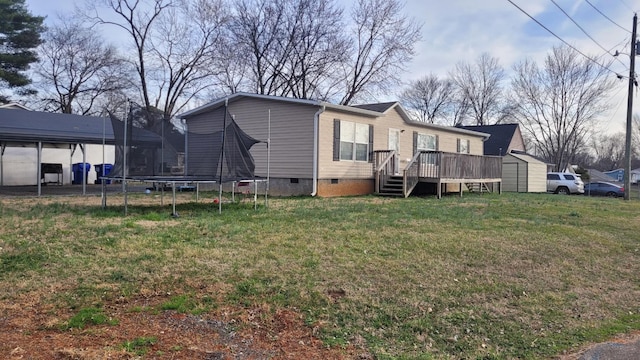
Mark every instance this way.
x=379 y=107
x=520 y=152
x=501 y=136
x=526 y=157
x=237 y=96
x=369 y=110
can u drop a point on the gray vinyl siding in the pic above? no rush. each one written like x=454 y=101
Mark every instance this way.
x=198 y=150
x=291 y=135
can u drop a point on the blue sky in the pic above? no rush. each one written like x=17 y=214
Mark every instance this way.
x=461 y=30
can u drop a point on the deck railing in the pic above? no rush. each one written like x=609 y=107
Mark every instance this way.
x=411 y=174
x=443 y=165
x=384 y=165
x=436 y=166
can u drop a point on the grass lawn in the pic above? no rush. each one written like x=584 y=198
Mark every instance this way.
x=483 y=276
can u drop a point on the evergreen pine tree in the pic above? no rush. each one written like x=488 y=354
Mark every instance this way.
x=19 y=37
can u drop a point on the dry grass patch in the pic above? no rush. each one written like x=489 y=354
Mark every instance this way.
x=511 y=276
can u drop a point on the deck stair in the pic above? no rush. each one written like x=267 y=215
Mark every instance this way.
x=392 y=185
x=478 y=187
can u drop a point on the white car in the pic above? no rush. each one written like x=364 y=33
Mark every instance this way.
x=564 y=183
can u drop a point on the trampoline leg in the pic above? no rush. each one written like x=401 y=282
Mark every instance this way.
x=104 y=194
x=174 y=213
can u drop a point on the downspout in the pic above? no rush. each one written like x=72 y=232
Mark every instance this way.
x=316 y=126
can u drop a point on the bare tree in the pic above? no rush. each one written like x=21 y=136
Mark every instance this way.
x=429 y=97
x=183 y=49
x=384 y=43
x=609 y=151
x=77 y=67
x=481 y=85
x=458 y=108
x=319 y=45
x=176 y=46
x=257 y=30
x=557 y=104
x=293 y=46
x=137 y=20
x=635 y=134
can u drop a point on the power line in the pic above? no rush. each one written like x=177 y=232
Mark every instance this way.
x=584 y=31
x=561 y=39
x=606 y=17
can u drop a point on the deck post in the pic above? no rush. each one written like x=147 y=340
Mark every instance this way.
x=439 y=189
x=460 y=189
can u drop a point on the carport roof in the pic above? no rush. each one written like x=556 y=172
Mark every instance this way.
x=23 y=128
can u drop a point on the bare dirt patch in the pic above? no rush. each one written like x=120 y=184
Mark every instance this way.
x=33 y=332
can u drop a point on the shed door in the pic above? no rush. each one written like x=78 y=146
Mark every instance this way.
x=510 y=177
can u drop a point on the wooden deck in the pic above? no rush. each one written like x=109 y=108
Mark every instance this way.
x=436 y=167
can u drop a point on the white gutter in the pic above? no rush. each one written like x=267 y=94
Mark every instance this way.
x=316 y=143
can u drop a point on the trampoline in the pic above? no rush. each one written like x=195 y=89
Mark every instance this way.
x=151 y=149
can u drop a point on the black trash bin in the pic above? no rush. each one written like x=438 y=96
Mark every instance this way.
x=99 y=172
x=78 y=170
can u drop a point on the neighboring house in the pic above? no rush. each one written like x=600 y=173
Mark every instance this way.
x=504 y=138
x=521 y=172
x=325 y=149
x=13 y=106
x=618 y=175
x=595 y=175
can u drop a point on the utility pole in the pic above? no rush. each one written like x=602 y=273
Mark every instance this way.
x=627 y=143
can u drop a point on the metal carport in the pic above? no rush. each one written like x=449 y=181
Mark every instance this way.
x=23 y=128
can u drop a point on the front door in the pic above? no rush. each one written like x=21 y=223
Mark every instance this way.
x=394 y=144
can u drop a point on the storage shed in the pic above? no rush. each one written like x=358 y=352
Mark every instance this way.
x=523 y=173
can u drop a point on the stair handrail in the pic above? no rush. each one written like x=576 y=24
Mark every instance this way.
x=386 y=166
x=410 y=174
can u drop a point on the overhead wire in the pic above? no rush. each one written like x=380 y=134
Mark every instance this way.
x=606 y=17
x=584 y=31
x=564 y=41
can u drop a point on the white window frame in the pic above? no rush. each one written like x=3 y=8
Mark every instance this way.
x=464 y=146
x=357 y=135
x=431 y=144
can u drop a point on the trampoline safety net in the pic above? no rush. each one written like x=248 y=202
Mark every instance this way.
x=150 y=146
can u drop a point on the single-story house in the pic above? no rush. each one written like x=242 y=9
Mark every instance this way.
x=319 y=148
x=521 y=172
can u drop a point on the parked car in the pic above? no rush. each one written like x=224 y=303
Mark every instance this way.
x=564 y=183
x=601 y=188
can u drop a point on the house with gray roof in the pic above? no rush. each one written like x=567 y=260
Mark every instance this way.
x=324 y=149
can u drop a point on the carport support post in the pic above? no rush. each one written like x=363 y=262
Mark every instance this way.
x=73 y=151
x=39 y=170
x=2 y=147
x=84 y=172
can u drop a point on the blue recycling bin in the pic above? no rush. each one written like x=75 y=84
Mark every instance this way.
x=78 y=169
x=99 y=168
